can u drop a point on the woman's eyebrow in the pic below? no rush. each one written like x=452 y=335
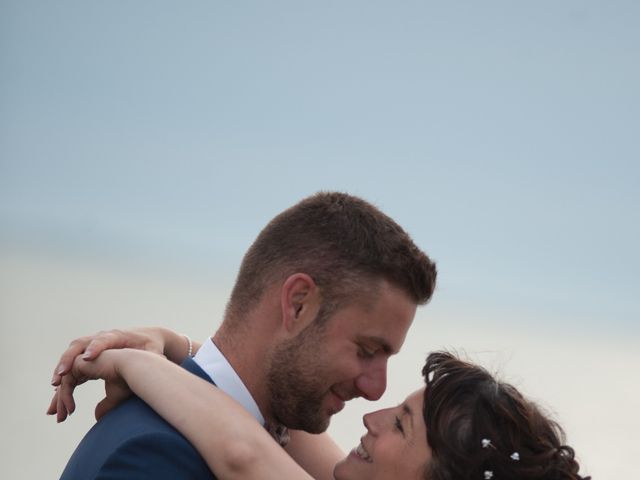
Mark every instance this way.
x=406 y=409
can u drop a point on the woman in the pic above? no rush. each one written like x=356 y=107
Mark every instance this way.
x=463 y=425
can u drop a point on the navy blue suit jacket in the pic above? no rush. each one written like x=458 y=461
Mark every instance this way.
x=134 y=442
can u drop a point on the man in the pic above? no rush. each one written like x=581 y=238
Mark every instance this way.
x=324 y=296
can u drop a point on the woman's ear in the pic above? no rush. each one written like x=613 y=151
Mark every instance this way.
x=300 y=302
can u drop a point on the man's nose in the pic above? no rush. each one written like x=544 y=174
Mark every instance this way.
x=373 y=381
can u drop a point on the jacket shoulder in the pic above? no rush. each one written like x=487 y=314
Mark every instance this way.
x=134 y=442
x=156 y=455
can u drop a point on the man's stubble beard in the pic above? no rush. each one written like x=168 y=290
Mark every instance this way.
x=296 y=382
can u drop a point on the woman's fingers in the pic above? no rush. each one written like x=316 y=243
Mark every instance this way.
x=106 y=340
x=115 y=393
x=66 y=405
x=81 y=370
x=61 y=410
x=90 y=347
x=54 y=402
x=76 y=347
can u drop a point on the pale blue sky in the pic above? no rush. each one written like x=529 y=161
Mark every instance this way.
x=144 y=144
x=502 y=135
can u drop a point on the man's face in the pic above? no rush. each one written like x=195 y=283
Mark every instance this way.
x=312 y=375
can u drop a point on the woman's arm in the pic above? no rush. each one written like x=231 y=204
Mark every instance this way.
x=316 y=454
x=159 y=340
x=232 y=442
x=154 y=339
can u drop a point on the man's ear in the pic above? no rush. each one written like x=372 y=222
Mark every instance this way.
x=300 y=302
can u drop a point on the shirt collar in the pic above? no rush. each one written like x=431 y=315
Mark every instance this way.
x=214 y=363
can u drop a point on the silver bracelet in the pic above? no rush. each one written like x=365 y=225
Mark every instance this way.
x=190 y=344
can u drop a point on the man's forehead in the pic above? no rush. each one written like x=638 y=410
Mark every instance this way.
x=382 y=322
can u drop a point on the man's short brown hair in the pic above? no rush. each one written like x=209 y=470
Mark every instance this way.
x=343 y=242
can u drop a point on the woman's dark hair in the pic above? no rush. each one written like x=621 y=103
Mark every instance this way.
x=479 y=428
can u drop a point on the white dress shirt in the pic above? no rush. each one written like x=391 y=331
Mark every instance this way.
x=210 y=359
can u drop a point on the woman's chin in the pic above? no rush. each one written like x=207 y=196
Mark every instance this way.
x=349 y=468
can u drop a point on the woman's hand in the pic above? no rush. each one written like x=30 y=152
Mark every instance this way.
x=105 y=367
x=152 y=339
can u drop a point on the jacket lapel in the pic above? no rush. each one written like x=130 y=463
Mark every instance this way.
x=191 y=366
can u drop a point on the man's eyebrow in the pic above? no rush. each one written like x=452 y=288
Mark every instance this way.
x=386 y=347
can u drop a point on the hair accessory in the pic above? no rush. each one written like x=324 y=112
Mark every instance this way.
x=486 y=443
x=515 y=456
x=488 y=474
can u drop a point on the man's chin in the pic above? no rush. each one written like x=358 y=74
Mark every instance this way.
x=319 y=426
x=310 y=423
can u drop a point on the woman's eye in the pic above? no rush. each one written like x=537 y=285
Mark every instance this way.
x=398 y=425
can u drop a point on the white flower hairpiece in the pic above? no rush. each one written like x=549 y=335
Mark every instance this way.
x=488 y=474
x=486 y=443
x=515 y=456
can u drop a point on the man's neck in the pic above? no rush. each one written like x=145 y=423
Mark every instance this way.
x=247 y=357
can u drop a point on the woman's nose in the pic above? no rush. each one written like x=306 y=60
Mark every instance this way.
x=366 y=419
x=373 y=420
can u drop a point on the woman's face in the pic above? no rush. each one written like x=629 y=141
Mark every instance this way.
x=395 y=446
